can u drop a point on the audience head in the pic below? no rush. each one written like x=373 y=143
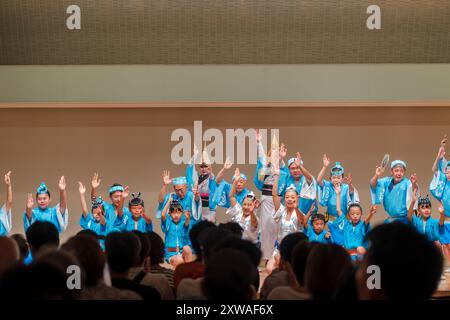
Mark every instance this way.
x=195 y=232
x=9 y=252
x=122 y=251
x=288 y=244
x=22 y=244
x=42 y=234
x=144 y=254
x=157 y=248
x=233 y=227
x=299 y=258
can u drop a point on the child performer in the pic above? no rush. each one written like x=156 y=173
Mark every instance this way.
x=244 y=215
x=223 y=189
x=114 y=216
x=264 y=181
x=315 y=230
x=176 y=249
x=423 y=222
x=57 y=215
x=296 y=174
x=138 y=220
x=204 y=179
x=94 y=220
x=355 y=229
x=288 y=216
x=327 y=195
x=440 y=189
x=394 y=192
x=5 y=211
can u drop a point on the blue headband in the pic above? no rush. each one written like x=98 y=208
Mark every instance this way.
x=42 y=188
x=115 y=188
x=398 y=163
x=179 y=181
x=243 y=176
x=292 y=160
x=337 y=170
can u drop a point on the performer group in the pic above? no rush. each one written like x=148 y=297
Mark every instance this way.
x=290 y=199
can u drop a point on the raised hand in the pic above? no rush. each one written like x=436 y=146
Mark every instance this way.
x=298 y=159
x=81 y=188
x=379 y=171
x=62 y=183
x=187 y=213
x=337 y=188
x=166 y=177
x=30 y=201
x=95 y=182
x=348 y=179
x=441 y=208
x=444 y=141
x=326 y=161
x=373 y=209
x=327 y=235
x=102 y=218
x=237 y=174
x=126 y=192
x=8 y=178
x=283 y=151
x=227 y=165
x=413 y=180
x=258 y=135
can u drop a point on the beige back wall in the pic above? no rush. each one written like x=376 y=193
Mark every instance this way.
x=133 y=146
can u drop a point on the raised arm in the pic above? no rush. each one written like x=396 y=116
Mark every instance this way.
x=62 y=195
x=82 y=191
x=326 y=162
x=441 y=214
x=348 y=179
x=440 y=154
x=253 y=220
x=124 y=195
x=187 y=214
x=166 y=208
x=95 y=183
x=378 y=172
x=298 y=161
x=275 y=196
x=337 y=189
x=308 y=215
x=29 y=206
x=166 y=181
x=237 y=175
x=415 y=189
x=227 y=165
x=373 y=210
x=9 y=198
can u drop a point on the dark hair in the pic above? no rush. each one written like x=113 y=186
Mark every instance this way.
x=42 y=233
x=346 y=287
x=228 y=281
x=40 y=280
x=403 y=254
x=89 y=233
x=288 y=244
x=89 y=254
x=354 y=205
x=22 y=244
x=145 y=246
x=210 y=237
x=194 y=233
x=318 y=216
x=324 y=267
x=175 y=206
x=234 y=228
x=300 y=255
x=122 y=250
x=136 y=200
x=243 y=246
x=157 y=248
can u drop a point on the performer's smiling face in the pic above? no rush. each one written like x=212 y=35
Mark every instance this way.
x=176 y=215
x=291 y=199
x=180 y=190
x=336 y=179
x=137 y=211
x=248 y=205
x=397 y=173
x=425 y=210
x=43 y=200
x=295 y=171
x=115 y=198
x=355 y=214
